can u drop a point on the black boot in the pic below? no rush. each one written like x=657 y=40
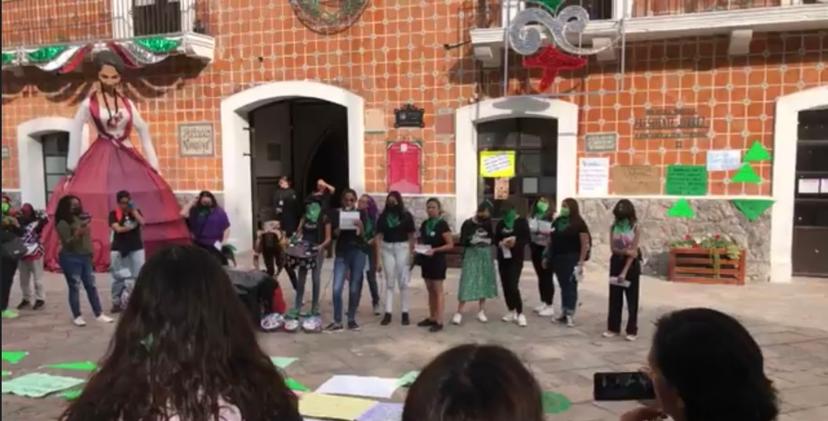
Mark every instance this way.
x=405 y=319
x=386 y=320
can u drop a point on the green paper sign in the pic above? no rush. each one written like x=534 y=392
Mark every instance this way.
x=14 y=357
x=87 y=366
x=282 y=362
x=293 y=384
x=555 y=403
x=757 y=153
x=746 y=174
x=681 y=209
x=752 y=208
x=408 y=379
x=38 y=385
x=686 y=180
x=71 y=395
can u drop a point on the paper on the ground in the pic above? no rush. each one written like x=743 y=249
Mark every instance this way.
x=88 y=366
x=294 y=385
x=375 y=387
x=383 y=411
x=348 y=220
x=282 y=362
x=407 y=379
x=38 y=385
x=333 y=407
x=14 y=357
x=422 y=248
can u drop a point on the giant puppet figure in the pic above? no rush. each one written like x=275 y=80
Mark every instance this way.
x=111 y=164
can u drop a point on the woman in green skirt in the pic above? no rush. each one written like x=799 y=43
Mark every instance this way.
x=478 y=281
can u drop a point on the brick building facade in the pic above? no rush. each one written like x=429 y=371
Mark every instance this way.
x=427 y=53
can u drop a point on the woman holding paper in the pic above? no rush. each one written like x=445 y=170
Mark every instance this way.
x=540 y=226
x=625 y=270
x=478 y=281
x=395 y=234
x=435 y=240
x=512 y=236
x=351 y=257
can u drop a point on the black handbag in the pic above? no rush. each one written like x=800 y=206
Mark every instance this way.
x=14 y=249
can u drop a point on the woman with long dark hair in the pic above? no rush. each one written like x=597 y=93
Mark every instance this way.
x=568 y=250
x=540 y=226
x=512 y=236
x=395 y=232
x=184 y=349
x=435 y=233
x=308 y=255
x=351 y=258
x=368 y=205
x=478 y=281
x=624 y=270
x=208 y=223
x=74 y=232
x=705 y=366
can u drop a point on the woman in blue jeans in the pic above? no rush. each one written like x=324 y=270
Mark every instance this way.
x=568 y=250
x=75 y=257
x=351 y=257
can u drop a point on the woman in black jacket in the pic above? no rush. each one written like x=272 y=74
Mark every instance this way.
x=512 y=236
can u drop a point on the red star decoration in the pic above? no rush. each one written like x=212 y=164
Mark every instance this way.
x=551 y=60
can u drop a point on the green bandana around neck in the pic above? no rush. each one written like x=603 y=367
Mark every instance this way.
x=541 y=208
x=509 y=219
x=622 y=226
x=312 y=212
x=431 y=223
x=368 y=232
x=392 y=219
x=562 y=223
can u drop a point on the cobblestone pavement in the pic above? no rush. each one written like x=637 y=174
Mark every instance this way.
x=789 y=321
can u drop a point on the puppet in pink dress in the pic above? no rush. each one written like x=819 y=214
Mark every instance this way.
x=110 y=165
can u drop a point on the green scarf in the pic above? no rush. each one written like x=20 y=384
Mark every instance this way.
x=541 y=209
x=509 y=219
x=312 y=212
x=392 y=220
x=562 y=223
x=431 y=223
x=621 y=226
x=368 y=232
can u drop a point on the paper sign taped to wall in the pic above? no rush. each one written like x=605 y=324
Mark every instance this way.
x=636 y=179
x=724 y=159
x=808 y=185
x=501 y=189
x=593 y=176
x=497 y=164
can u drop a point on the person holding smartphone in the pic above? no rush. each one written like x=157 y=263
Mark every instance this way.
x=127 y=254
x=73 y=228
x=568 y=250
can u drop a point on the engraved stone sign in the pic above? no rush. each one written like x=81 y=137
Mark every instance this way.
x=196 y=139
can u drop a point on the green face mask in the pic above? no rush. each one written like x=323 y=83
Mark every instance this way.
x=509 y=218
x=564 y=212
x=541 y=208
x=6 y=208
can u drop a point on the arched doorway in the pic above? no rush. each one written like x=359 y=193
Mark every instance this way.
x=236 y=112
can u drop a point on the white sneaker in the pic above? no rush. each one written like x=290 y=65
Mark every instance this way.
x=482 y=317
x=103 y=318
x=521 y=320
x=609 y=334
x=631 y=338
x=457 y=319
x=570 y=322
x=540 y=308
x=510 y=317
x=549 y=311
x=79 y=321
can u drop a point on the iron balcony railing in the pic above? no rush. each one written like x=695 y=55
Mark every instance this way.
x=41 y=22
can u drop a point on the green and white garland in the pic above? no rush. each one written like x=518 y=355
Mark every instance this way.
x=65 y=58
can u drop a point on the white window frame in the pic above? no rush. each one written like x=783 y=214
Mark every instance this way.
x=123 y=25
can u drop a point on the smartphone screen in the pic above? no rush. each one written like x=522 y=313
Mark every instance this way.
x=629 y=386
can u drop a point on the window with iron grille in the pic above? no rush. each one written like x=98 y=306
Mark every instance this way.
x=55 y=152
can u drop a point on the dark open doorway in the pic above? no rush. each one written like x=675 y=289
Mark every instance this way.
x=302 y=138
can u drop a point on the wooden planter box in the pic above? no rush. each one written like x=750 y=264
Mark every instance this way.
x=697 y=265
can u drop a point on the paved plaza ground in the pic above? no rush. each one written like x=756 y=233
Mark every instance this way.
x=789 y=321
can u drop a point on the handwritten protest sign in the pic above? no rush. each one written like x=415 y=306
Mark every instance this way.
x=497 y=164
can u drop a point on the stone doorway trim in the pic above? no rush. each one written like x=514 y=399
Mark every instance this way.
x=784 y=174
x=235 y=146
x=465 y=154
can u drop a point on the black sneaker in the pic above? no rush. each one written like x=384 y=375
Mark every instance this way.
x=334 y=328
x=24 y=305
x=116 y=308
x=561 y=320
x=386 y=320
x=352 y=325
x=436 y=327
x=405 y=320
x=426 y=323
x=38 y=305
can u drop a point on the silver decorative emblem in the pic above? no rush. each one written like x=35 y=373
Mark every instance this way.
x=526 y=38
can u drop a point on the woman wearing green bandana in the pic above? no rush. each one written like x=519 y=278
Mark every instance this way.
x=478 y=281
x=315 y=234
x=625 y=270
x=436 y=235
x=512 y=236
x=395 y=233
x=540 y=226
x=568 y=250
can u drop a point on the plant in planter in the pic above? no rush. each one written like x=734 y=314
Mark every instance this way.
x=710 y=259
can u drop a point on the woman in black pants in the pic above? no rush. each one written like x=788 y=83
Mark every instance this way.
x=9 y=232
x=540 y=226
x=512 y=235
x=568 y=250
x=625 y=270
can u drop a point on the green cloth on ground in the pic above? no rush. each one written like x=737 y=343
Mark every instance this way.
x=555 y=403
x=282 y=362
x=408 y=379
x=38 y=385
x=293 y=384
x=87 y=366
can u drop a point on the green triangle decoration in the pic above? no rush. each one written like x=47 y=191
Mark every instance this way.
x=752 y=208
x=14 y=357
x=746 y=174
x=757 y=153
x=555 y=403
x=293 y=384
x=681 y=209
x=87 y=366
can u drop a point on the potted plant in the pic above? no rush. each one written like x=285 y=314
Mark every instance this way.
x=713 y=258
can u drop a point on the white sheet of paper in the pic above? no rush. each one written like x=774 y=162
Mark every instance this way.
x=545 y=227
x=809 y=185
x=593 y=176
x=507 y=252
x=533 y=225
x=375 y=387
x=217 y=245
x=348 y=220
x=723 y=159
x=422 y=248
x=617 y=281
x=823 y=187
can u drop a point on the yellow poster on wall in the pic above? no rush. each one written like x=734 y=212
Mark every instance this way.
x=497 y=164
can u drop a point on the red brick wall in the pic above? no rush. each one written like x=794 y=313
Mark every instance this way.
x=33 y=22
x=394 y=54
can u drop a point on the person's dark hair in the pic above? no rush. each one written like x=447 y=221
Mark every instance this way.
x=396 y=195
x=64 y=208
x=183 y=343
x=436 y=201
x=350 y=191
x=715 y=365
x=576 y=222
x=206 y=193
x=474 y=382
x=123 y=194
x=108 y=58
x=624 y=209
